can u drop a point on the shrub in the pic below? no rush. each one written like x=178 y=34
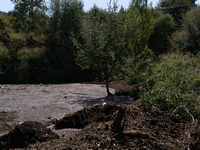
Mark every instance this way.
x=137 y=72
x=174 y=81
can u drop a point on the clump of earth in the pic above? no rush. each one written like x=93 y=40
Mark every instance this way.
x=89 y=127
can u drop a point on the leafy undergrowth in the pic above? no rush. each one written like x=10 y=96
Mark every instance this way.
x=173 y=81
x=165 y=133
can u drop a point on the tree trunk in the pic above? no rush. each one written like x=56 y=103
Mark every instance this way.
x=117 y=123
x=107 y=88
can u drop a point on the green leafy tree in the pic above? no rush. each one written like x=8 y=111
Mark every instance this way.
x=139 y=25
x=171 y=3
x=176 y=8
x=65 y=18
x=104 y=42
x=4 y=56
x=163 y=29
x=187 y=38
x=27 y=13
x=96 y=12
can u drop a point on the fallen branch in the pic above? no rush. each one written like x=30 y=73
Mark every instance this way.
x=136 y=134
x=174 y=111
x=193 y=121
x=189 y=114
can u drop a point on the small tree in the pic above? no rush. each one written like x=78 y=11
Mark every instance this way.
x=104 y=42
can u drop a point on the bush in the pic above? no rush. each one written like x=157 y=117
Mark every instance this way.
x=174 y=81
x=137 y=72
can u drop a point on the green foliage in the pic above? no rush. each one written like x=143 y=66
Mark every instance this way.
x=176 y=8
x=169 y=3
x=104 y=42
x=65 y=21
x=3 y=52
x=4 y=56
x=137 y=72
x=187 y=38
x=3 y=13
x=5 y=27
x=17 y=41
x=96 y=12
x=2 y=25
x=174 y=81
x=17 y=24
x=163 y=29
x=139 y=25
x=29 y=64
x=27 y=14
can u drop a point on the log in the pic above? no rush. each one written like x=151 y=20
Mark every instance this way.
x=136 y=134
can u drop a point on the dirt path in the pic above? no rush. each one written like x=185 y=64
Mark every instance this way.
x=44 y=102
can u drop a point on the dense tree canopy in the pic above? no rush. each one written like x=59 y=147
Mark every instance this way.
x=163 y=29
x=187 y=38
x=28 y=13
x=176 y=8
x=170 y=3
x=64 y=22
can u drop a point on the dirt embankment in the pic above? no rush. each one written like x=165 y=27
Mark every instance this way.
x=142 y=128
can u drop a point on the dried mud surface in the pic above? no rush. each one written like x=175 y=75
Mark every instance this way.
x=88 y=125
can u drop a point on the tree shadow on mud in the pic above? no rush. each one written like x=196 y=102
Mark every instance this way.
x=119 y=100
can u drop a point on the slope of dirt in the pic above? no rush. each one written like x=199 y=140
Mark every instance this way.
x=26 y=133
x=164 y=133
x=87 y=115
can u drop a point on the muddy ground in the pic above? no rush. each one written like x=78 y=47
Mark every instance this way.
x=78 y=116
x=44 y=102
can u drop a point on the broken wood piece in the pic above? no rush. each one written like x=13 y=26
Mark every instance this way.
x=118 y=119
x=136 y=134
x=193 y=120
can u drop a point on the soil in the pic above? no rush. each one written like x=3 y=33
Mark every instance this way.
x=87 y=125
